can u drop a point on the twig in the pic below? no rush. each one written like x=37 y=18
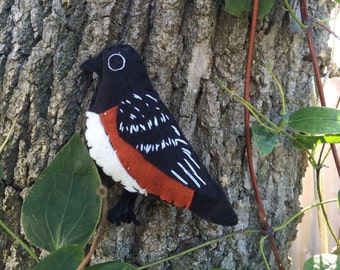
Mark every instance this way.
x=258 y=199
x=324 y=26
x=102 y=191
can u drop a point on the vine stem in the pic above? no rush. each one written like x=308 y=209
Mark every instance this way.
x=301 y=212
x=262 y=239
x=319 y=191
x=197 y=247
x=2 y=146
x=292 y=13
x=285 y=224
x=266 y=123
x=258 y=199
x=102 y=192
x=22 y=243
x=269 y=125
x=279 y=86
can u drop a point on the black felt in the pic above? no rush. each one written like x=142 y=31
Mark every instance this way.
x=123 y=210
x=147 y=109
x=144 y=122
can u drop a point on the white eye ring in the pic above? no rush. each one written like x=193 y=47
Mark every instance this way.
x=123 y=60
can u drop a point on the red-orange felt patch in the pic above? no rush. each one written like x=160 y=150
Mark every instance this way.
x=149 y=177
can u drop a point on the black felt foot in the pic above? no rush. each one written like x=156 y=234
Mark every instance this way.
x=123 y=210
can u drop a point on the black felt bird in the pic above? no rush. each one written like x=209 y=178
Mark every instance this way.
x=135 y=139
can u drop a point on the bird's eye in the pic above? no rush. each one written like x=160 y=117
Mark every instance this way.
x=116 y=62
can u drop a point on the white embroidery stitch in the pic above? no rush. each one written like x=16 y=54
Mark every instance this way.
x=119 y=55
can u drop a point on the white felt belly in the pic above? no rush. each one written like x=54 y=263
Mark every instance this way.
x=105 y=156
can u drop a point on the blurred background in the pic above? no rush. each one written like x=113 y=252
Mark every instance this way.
x=310 y=240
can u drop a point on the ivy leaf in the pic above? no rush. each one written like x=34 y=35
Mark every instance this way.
x=65 y=258
x=112 y=266
x=316 y=120
x=265 y=140
x=310 y=141
x=238 y=7
x=322 y=262
x=62 y=207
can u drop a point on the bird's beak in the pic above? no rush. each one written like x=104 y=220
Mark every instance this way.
x=93 y=64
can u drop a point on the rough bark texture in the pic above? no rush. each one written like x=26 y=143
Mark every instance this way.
x=186 y=45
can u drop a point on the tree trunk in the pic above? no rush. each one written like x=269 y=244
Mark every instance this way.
x=186 y=46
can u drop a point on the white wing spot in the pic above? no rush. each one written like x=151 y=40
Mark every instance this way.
x=195 y=173
x=176 y=130
x=178 y=177
x=188 y=153
x=174 y=142
x=182 y=141
x=163 y=144
x=134 y=128
x=163 y=119
x=151 y=97
x=188 y=174
x=137 y=97
x=148 y=148
x=150 y=124
x=142 y=127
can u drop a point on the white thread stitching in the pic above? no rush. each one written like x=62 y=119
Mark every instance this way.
x=116 y=69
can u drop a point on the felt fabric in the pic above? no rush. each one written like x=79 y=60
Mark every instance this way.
x=145 y=123
x=150 y=178
x=104 y=154
x=151 y=154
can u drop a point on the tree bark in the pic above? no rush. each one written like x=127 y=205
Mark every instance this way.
x=186 y=46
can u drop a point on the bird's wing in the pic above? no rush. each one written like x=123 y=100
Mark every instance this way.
x=144 y=122
x=154 y=151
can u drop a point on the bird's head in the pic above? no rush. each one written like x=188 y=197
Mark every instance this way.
x=121 y=71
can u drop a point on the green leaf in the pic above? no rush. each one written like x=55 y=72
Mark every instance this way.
x=1 y=172
x=322 y=262
x=68 y=257
x=62 y=207
x=310 y=141
x=238 y=7
x=265 y=139
x=112 y=266
x=316 y=120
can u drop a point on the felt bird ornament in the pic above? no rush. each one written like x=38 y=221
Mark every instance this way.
x=134 y=138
